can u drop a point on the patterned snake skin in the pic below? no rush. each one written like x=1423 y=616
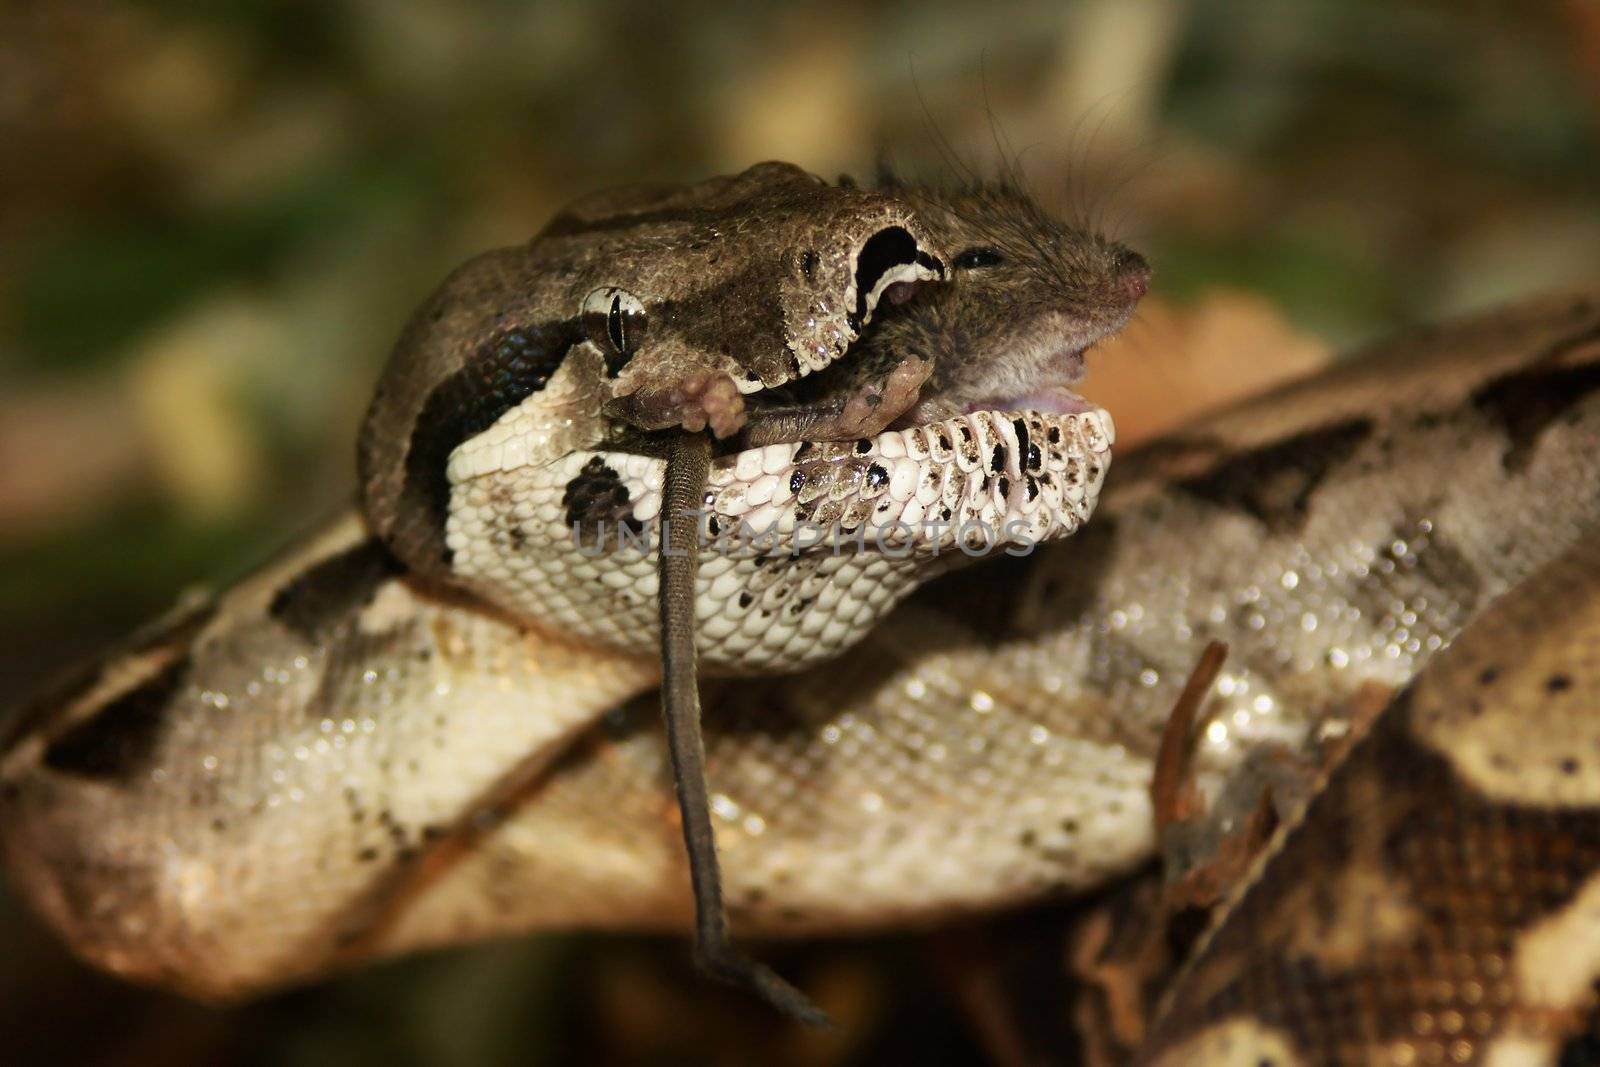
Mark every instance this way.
x=1454 y=912
x=335 y=760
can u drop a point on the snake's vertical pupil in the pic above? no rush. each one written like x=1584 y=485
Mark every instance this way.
x=614 y=326
x=614 y=320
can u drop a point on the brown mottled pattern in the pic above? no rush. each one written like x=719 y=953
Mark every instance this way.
x=1528 y=400
x=944 y=765
x=1396 y=923
x=1275 y=483
x=177 y=630
x=121 y=737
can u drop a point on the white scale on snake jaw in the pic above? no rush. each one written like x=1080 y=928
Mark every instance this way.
x=893 y=505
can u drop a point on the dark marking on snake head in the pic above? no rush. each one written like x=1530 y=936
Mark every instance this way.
x=596 y=498
x=877 y=476
x=316 y=602
x=508 y=368
x=1527 y=402
x=117 y=743
x=1274 y=484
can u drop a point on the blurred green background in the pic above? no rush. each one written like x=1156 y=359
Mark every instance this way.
x=214 y=218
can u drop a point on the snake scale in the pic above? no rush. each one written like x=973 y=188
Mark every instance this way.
x=346 y=756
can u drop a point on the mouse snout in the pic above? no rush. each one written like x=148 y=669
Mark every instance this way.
x=1133 y=274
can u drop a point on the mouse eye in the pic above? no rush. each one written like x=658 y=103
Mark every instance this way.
x=614 y=320
x=978 y=257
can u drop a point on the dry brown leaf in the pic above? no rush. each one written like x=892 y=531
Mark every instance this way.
x=1175 y=362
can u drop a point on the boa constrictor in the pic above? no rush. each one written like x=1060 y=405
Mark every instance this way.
x=547 y=395
x=333 y=761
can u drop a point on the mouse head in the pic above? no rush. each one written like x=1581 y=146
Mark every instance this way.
x=1027 y=295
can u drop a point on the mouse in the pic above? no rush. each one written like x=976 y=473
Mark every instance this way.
x=1024 y=296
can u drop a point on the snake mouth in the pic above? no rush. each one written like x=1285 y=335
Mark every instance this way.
x=974 y=482
x=1052 y=393
x=1016 y=458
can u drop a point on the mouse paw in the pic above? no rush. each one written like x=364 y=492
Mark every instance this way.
x=708 y=399
x=711 y=399
x=873 y=407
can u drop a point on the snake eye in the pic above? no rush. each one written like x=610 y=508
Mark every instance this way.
x=972 y=258
x=614 y=320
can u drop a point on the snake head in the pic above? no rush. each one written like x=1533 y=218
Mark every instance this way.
x=698 y=295
x=649 y=307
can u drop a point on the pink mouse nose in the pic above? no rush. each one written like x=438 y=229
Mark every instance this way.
x=1134 y=274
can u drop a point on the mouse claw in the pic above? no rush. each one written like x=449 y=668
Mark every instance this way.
x=708 y=399
x=712 y=400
